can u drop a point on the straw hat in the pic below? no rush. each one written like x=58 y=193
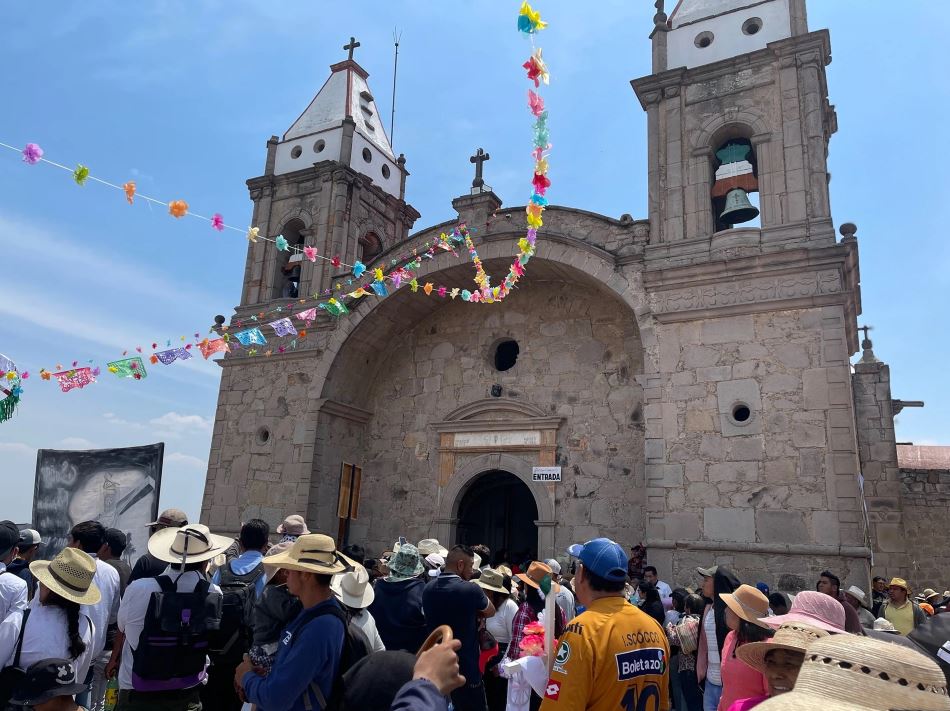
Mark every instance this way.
x=353 y=589
x=749 y=603
x=858 y=594
x=269 y=570
x=841 y=671
x=69 y=575
x=792 y=636
x=312 y=553
x=536 y=573
x=815 y=609
x=492 y=580
x=192 y=543
x=428 y=546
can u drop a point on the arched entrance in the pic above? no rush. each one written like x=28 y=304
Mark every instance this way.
x=499 y=510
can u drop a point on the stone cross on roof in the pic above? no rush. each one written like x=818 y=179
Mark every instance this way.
x=478 y=159
x=351 y=47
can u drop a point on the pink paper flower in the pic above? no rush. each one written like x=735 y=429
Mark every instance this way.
x=217 y=222
x=32 y=154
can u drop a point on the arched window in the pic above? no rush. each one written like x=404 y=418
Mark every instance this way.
x=287 y=280
x=370 y=247
x=735 y=185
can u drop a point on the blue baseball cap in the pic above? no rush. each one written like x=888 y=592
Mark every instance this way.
x=602 y=557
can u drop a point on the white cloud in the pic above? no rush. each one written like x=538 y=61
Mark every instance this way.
x=186 y=460
x=17 y=448
x=76 y=443
x=178 y=423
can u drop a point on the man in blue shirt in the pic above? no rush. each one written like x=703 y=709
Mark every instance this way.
x=241 y=581
x=310 y=648
x=455 y=601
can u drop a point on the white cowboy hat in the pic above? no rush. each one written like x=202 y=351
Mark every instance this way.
x=189 y=544
x=353 y=588
x=312 y=553
x=69 y=575
x=427 y=546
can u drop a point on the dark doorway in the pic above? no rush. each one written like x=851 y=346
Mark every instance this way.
x=499 y=510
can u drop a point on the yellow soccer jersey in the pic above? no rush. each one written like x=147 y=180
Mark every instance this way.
x=613 y=657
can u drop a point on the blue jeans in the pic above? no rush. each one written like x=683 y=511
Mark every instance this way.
x=711 y=696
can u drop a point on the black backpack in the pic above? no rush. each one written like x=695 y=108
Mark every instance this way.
x=355 y=647
x=233 y=637
x=174 y=642
x=11 y=676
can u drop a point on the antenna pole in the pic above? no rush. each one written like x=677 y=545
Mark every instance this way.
x=392 y=115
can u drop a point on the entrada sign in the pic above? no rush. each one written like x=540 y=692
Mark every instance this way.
x=546 y=474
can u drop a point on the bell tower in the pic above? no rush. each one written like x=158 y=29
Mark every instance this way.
x=738 y=114
x=332 y=182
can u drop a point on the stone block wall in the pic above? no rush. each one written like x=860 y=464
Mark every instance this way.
x=779 y=486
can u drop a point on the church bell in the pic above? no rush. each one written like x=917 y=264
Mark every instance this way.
x=738 y=208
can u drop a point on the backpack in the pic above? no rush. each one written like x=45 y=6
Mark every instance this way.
x=233 y=638
x=355 y=647
x=11 y=676
x=174 y=641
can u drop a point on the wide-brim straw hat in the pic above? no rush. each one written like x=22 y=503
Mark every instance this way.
x=312 y=553
x=428 y=546
x=536 y=573
x=792 y=637
x=492 y=580
x=748 y=603
x=848 y=671
x=193 y=543
x=353 y=589
x=815 y=609
x=69 y=575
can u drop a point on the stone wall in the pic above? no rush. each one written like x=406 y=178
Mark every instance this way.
x=776 y=492
x=925 y=500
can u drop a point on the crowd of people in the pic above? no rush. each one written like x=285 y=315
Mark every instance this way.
x=285 y=620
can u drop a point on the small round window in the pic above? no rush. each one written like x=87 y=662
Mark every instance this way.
x=741 y=413
x=752 y=26
x=506 y=354
x=367 y=156
x=296 y=151
x=319 y=146
x=386 y=172
x=704 y=39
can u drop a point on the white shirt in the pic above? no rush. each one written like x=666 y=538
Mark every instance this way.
x=501 y=622
x=45 y=637
x=106 y=610
x=12 y=592
x=366 y=623
x=132 y=613
x=565 y=600
x=713 y=673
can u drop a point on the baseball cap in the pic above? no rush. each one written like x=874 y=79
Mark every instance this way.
x=602 y=557
x=29 y=537
x=170 y=517
x=9 y=537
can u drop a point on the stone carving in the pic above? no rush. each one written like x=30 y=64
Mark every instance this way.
x=749 y=291
x=728 y=84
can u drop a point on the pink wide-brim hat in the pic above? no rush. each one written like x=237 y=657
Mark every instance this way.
x=815 y=609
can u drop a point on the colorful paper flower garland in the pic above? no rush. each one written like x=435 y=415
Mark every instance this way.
x=10 y=388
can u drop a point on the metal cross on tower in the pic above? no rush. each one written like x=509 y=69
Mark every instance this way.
x=351 y=47
x=479 y=159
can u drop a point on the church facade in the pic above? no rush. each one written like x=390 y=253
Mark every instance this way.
x=689 y=377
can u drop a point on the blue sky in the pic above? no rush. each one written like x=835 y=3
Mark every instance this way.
x=182 y=96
